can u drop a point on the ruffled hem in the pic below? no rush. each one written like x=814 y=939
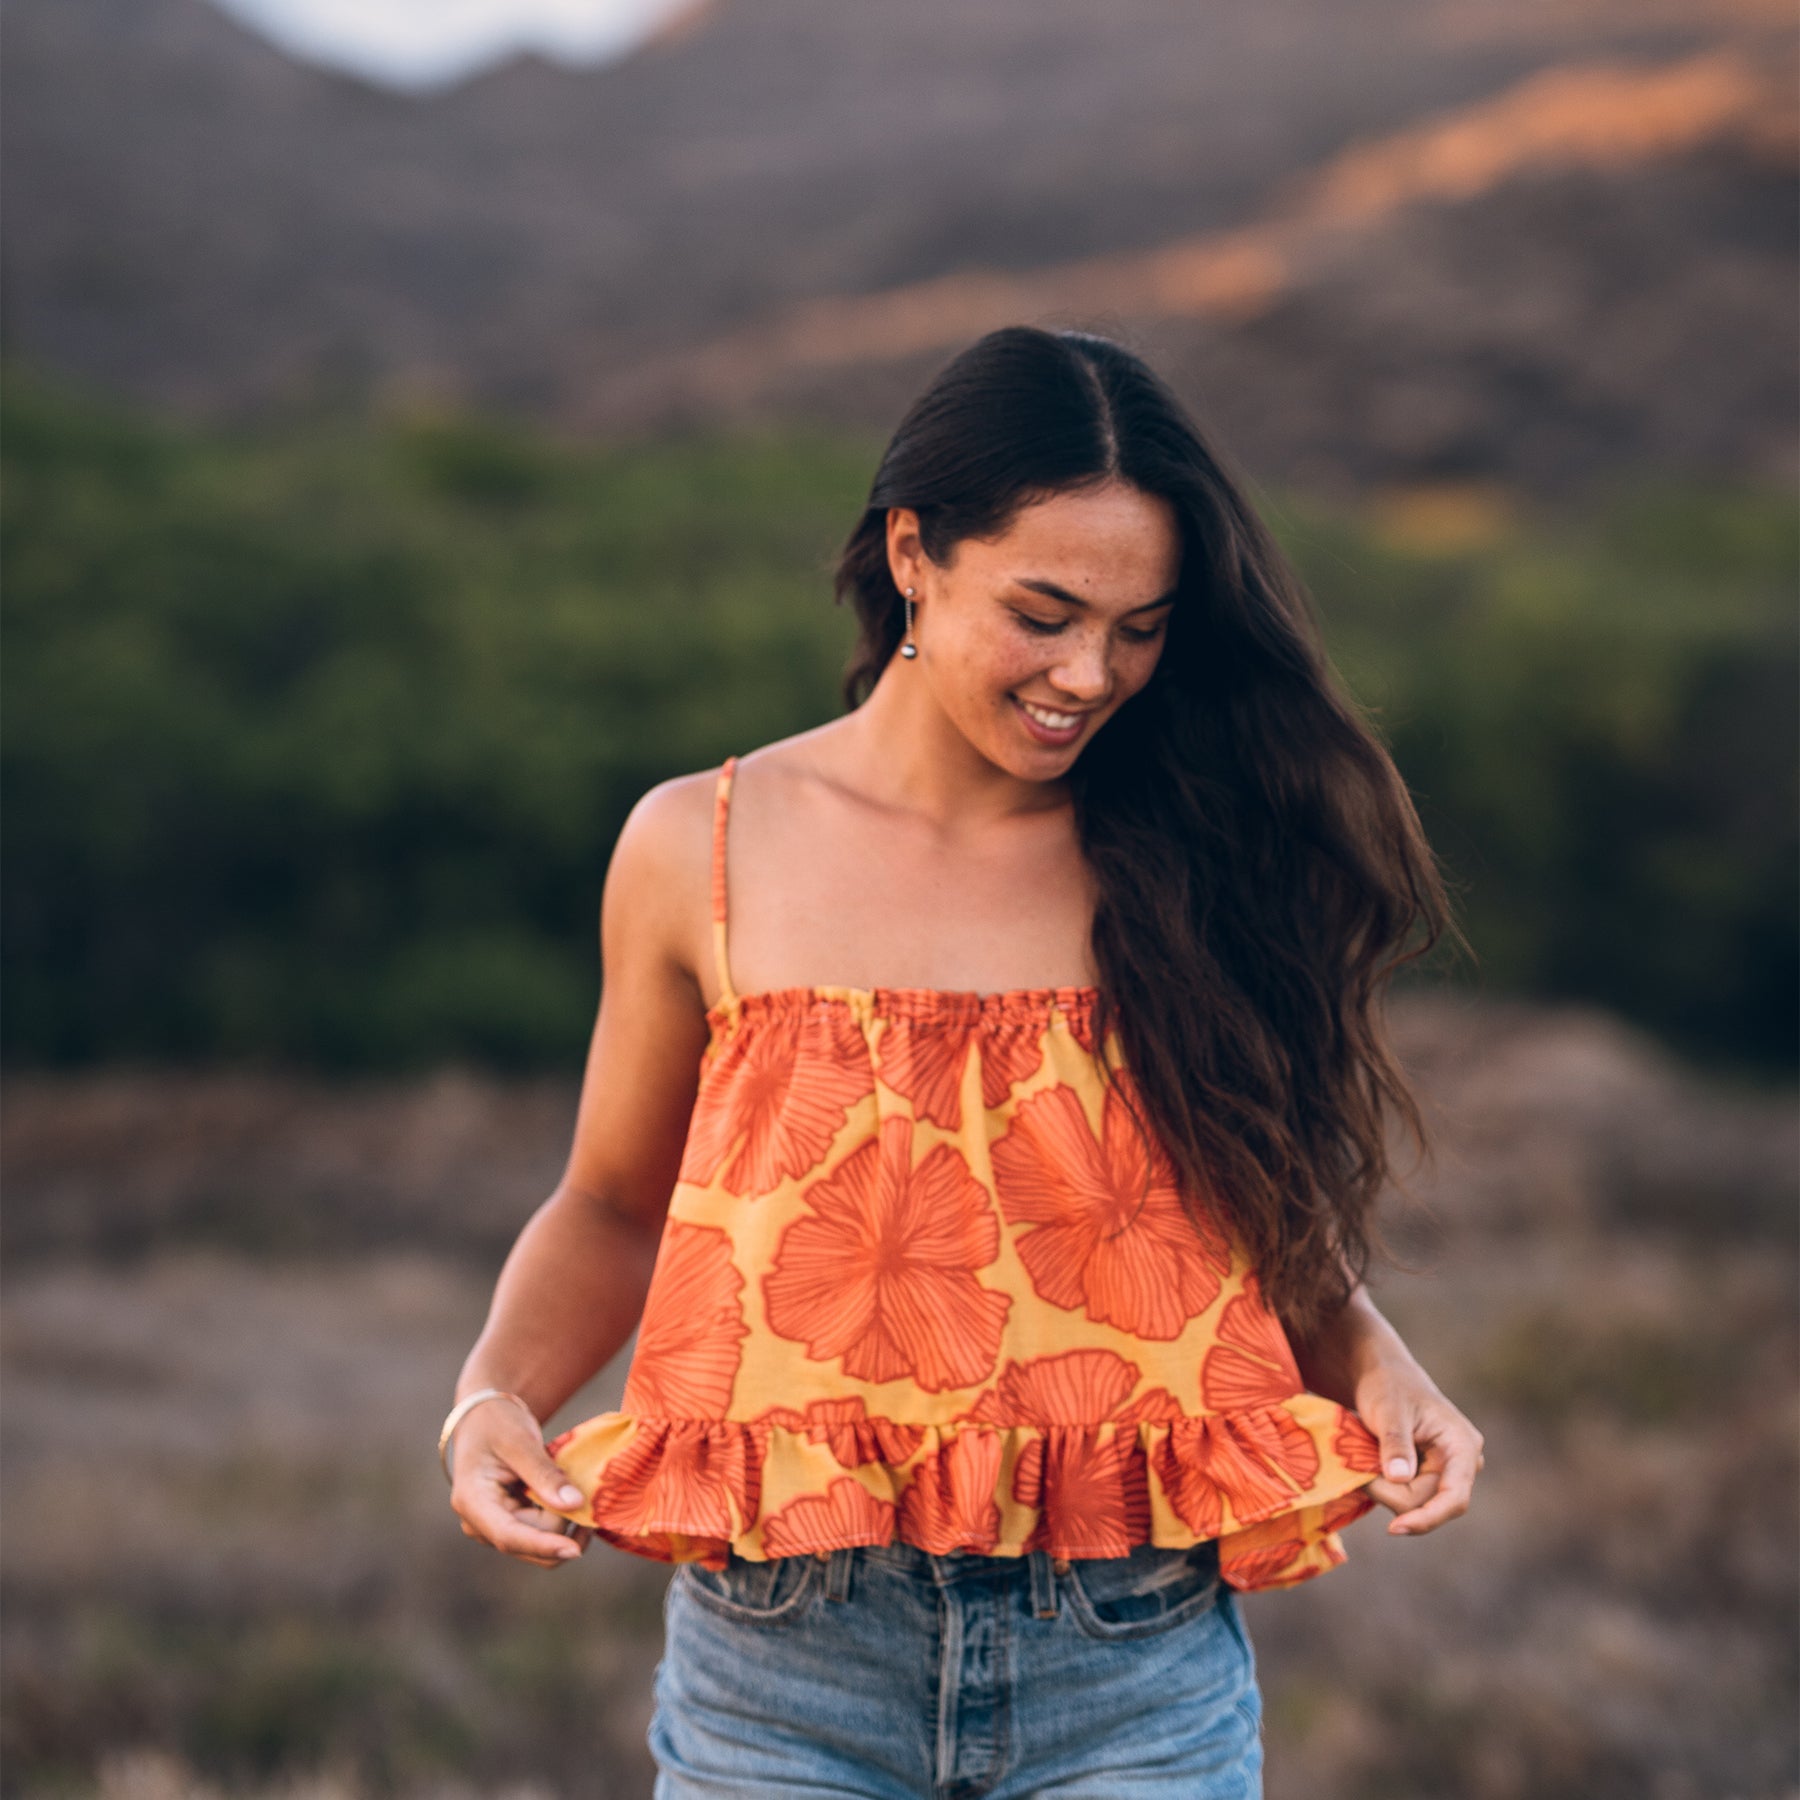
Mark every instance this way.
x=1274 y=1484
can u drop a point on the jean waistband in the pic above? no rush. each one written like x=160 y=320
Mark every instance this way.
x=954 y=1566
x=953 y=1569
x=1039 y=1568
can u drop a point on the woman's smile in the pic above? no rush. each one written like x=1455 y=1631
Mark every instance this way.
x=1049 y=725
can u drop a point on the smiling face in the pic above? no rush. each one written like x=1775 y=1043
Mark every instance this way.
x=1031 y=641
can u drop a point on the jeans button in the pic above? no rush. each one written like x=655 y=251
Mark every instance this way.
x=1060 y=1564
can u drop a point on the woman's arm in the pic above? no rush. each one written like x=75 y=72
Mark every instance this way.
x=572 y=1288
x=1430 y=1453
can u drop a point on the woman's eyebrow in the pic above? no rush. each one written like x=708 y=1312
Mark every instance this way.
x=1039 y=586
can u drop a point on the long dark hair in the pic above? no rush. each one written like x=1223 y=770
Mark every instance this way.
x=1261 y=870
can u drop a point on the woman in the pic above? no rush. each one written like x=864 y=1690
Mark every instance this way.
x=1011 y=1049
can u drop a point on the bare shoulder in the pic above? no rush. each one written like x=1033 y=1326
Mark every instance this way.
x=669 y=831
x=658 y=883
x=783 y=771
x=665 y=844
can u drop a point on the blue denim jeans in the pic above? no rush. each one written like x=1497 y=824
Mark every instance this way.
x=885 y=1673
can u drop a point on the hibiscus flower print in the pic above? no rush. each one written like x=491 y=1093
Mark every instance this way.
x=1259 y=1563
x=775 y=1096
x=1252 y=1363
x=1085 y=1470
x=1077 y=1387
x=880 y=1271
x=846 y=1428
x=1080 y=1014
x=691 y=1339
x=1357 y=1446
x=949 y=1503
x=699 y=1480
x=1255 y=1461
x=922 y=1059
x=1089 y=1487
x=846 y=1513
x=1345 y=1510
x=1108 y=1234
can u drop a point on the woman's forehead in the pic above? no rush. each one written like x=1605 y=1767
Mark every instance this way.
x=1112 y=547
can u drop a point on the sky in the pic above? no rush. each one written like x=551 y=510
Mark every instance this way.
x=422 y=44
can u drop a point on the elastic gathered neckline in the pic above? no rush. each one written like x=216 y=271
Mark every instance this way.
x=1031 y=1007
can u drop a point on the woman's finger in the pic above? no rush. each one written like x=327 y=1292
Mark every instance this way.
x=512 y=1442
x=1393 y=1417
x=1451 y=1501
x=578 y=1535
x=537 y=1519
x=493 y=1509
x=507 y=1531
x=1396 y=1428
x=1403 y=1496
x=549 y=1484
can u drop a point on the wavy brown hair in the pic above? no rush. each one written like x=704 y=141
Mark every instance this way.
x=1261 y=869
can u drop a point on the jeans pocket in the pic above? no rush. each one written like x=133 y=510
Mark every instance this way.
x=775 y=1592
x=1228 y=1609
x=1150 y=1591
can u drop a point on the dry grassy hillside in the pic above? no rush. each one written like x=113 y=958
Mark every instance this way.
x=234 y=1309
x=1586 y=271
x=1376 y=240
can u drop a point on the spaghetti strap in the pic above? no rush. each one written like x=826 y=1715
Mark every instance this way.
x=721 y=811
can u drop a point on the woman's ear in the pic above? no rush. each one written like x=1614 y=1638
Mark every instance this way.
x=906 y=554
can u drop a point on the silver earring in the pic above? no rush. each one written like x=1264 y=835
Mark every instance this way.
x=909 y=649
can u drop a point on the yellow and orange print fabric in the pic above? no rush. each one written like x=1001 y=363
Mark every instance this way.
x=923 y=1278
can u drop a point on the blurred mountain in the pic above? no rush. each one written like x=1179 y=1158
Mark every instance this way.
x=1377 y=239
x=1589 y=273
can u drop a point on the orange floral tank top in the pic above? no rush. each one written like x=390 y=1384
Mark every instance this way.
x=921 y=1279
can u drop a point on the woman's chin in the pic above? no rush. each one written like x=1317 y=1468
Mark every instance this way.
x=1032 y=761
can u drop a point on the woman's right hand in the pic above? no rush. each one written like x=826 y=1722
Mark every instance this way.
x=504 y=1482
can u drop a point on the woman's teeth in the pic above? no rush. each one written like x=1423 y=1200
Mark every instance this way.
x=1051 y=721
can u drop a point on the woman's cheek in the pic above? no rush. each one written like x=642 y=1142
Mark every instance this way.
x=1137 y=668
x=1014 y=665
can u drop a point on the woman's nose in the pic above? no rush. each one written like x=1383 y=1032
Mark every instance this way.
x=1082 y=673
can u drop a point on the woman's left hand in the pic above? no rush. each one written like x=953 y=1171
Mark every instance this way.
x=1430 y=1453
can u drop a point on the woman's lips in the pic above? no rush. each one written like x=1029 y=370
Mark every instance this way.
x=1035 y=717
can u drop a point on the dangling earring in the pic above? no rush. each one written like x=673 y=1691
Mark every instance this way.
x=909 y=649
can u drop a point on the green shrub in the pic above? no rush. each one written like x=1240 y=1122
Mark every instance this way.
x=1596 y=718
x=316 y=741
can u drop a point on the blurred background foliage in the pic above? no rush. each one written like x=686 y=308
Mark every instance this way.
x=319 y=735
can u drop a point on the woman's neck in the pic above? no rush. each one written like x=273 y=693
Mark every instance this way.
x=902 y=749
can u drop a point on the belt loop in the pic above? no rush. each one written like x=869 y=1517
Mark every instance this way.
x=837 y=1575
x=1043 y=1585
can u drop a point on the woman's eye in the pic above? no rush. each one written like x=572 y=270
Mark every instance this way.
x=1143 y=637
x=1043 y=627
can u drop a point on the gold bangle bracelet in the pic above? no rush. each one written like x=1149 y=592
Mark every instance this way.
x=466 y=1404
